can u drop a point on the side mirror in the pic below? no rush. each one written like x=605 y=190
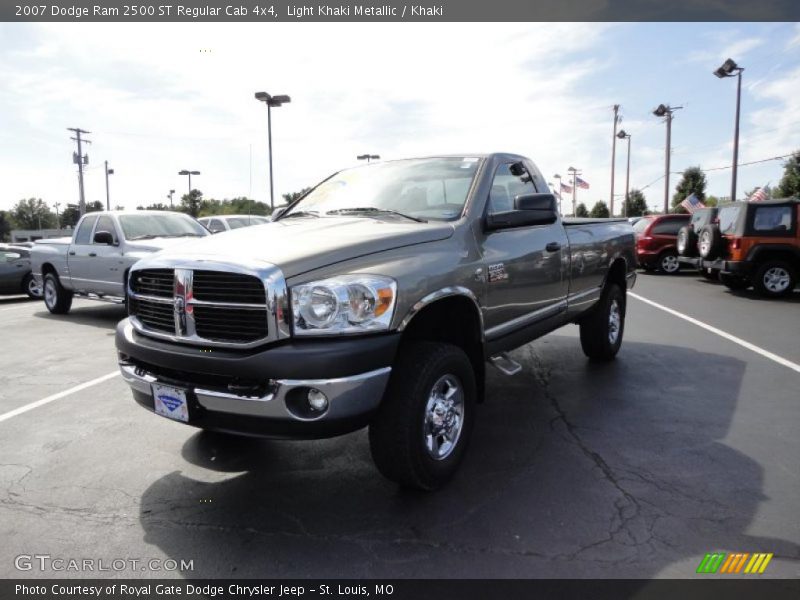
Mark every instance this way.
x=103 y=237
x=529 y=209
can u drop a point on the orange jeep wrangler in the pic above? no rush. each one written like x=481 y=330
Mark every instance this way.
x=753 y=243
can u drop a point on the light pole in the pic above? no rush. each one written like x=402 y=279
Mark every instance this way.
x=626 y=136
x=730 y=69
x=271 y=101
x=613 y=158
x=108 y=198
x=574 y=172
x=665 y=110
x=560 y=207
x=170 y=198
x=368 y=157
x=189 y=173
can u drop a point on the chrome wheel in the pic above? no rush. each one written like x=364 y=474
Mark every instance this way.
x=776 y=279
x=444 y=417
x=614 y=322
x=50 y=293
x=669 y=263
x=34 y=289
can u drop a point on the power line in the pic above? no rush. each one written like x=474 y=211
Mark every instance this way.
x=754 y=162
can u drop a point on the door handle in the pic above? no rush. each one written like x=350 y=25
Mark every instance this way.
x=553 y=247
x=72 y=252
x=92 y=253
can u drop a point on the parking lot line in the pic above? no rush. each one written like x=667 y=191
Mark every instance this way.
x=743 y=343
x=54 y=397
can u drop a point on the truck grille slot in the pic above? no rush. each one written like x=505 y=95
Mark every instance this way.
x=217 y=286
x=154 y=315
x=154 y=282
x=226 y=324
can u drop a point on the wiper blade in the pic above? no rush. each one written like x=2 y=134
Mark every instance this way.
x=374 y=210
x=176 y=235
x=146 y=236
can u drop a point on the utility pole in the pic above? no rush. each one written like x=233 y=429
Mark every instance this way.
x=108 y=198
x=81 y=160
x=613 y=157
x=623 y=135
x=664 y=110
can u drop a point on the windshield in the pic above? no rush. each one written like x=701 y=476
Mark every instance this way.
x=426 y=188
x=145 y=226
x=641 y=225
x=236 y=222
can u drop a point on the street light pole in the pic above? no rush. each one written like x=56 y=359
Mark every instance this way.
x=664 y=110
x=170 y=197
x=108 y=197
x=575 y=172
x=271 y=101
x=623 y=135
x=730 y=69
x=189 y=173
x=613 y=158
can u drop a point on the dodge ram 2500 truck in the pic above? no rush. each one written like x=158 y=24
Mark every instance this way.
x=95 y=261
x=375 y=299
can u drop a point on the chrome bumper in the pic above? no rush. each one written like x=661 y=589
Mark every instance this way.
x=347 y=396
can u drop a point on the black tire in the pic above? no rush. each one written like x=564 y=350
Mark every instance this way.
x=30 y=288
x=597 y=341
x=734 y=282
x=710 y=274
x=775 y=278
x=57 y=299
x=709 y=244
x=687 y=241
x=668 y=262
x=397 y=433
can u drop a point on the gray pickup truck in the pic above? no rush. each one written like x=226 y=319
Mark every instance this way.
x=95 y=262
x=378 y=299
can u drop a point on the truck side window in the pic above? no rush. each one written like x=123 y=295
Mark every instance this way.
x=106 y=224
x=505 y=186
x=84 y=233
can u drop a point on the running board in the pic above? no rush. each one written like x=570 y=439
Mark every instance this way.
x=505 y=364
x=101 y=298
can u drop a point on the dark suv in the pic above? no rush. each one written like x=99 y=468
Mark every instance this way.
x=753 y=243
x=656 y=242
x=687 y=242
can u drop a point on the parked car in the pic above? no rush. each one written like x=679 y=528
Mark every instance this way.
x=753 y=244
x=220 y=223
x=374 y=300
x=94 y=263
x=15 y=272
x=656 y=242
x=687 y=242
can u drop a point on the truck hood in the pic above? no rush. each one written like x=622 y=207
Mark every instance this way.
x=302 y=244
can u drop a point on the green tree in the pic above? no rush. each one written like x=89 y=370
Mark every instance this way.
x=790 y=182
x=154 y=206
x=71 y=214
x=191 y=203
x=599 y=210
x=6 y=225
x=693 y=181
x=581 y=211
x=95 y=206
x=33 y=213
x=711 y=201
x=289 y=198
x=636 y=205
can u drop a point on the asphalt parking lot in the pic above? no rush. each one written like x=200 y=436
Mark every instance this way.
x=686 y=444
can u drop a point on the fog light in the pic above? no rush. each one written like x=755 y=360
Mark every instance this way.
x=317 y=400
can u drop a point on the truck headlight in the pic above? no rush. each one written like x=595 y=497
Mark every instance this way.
x=346 y=304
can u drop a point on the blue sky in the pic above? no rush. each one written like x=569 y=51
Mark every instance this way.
x=156 y=104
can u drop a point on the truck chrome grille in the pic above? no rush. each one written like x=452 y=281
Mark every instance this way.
x=201 y=306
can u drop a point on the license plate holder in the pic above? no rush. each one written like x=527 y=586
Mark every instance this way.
x=170 y=402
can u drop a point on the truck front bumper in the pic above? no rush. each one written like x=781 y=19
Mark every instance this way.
x=264 y=392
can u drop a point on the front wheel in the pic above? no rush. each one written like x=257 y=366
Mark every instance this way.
x=57 y=299
x=668 y=262
x=775 y=278
x=602 y=329
x=421 y=430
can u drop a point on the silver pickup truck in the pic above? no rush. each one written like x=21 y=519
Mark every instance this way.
x=376 y=299
x=96 y=260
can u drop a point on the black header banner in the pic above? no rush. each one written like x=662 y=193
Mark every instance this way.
x=393 y=10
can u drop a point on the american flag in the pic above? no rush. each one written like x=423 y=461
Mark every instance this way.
x=566 y=188
x=691 y=203
x=759 y=195
x=581 y=183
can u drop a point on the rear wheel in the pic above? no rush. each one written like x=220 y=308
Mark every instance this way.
x=709 y=242
x=775 y=278
x=668 y=262
x=734 y=282
x=421 y=430
x=687 y=241
x=57 y=299
x=602 y=329
x=30 y=287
